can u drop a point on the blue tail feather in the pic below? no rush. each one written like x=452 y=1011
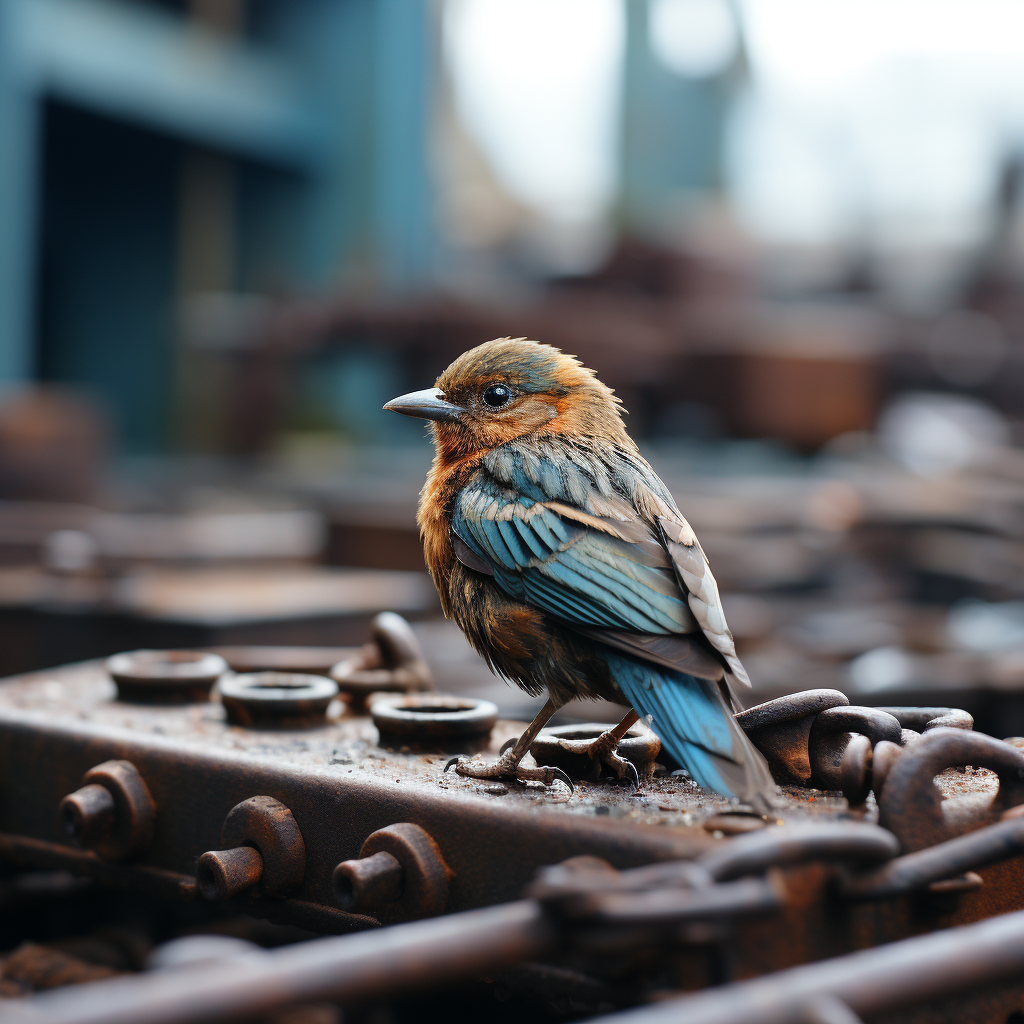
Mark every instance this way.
x=693 y=722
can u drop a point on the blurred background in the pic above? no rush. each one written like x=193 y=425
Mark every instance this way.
x=789 y=233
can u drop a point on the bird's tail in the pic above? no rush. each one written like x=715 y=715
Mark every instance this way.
x=693 y=718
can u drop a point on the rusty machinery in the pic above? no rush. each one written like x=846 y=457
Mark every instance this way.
x=886 y=882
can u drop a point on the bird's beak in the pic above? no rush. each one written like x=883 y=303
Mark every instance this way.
x=426 y=405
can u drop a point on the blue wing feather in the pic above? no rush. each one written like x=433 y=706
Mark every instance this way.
x=574 y=573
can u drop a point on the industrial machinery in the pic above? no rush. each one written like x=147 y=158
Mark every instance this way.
x=308 y=791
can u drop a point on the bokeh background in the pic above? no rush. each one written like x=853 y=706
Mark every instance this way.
x=789 y=233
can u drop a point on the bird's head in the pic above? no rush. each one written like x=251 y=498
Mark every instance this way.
x=510 y=387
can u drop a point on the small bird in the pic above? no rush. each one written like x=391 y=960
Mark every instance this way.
x=566 y=562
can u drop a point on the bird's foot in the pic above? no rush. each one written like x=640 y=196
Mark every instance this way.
x=506 y=767
x=602 y=750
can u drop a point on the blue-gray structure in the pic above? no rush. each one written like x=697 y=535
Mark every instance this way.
x=315 y=115
x=672 y=130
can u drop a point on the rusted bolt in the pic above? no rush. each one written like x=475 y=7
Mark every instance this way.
x=165 y=677
x=264 y=851
x=88 y=815
x=391 y=663
x=112 y=814
x=222 y=874
x=433 y=721
x=277 y=700
x=911 y=805
x=780 y=729
x=925 y=719
x=831 y=733
x=362 y=885
x=419 y=888
x=554 y=747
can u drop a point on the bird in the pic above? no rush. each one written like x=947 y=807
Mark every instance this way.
x=567 y=564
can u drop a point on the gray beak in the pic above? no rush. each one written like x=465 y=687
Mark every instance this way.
x=426 y=405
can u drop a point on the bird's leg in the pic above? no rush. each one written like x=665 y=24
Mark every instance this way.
x=602 y=748
x=508 y=764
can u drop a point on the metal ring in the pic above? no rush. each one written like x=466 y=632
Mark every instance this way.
x=392 y=663
x=282 y=700
x=925 y=719
x=640 y=746
x=165 y=677
x=780 y=729
x=831 y=733
x=912 y=806
x=433 y=719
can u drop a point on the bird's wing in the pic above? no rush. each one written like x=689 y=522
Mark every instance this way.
x=599 y=566
x=585 y=570
x=695 y=577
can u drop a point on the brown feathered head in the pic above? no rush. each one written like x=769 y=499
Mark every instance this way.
x=511 y=387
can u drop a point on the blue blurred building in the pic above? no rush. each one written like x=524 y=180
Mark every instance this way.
x=154 y=151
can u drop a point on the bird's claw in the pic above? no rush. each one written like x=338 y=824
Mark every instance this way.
x=451 y=761
x=507 y=745
x=601 y=750
x=504 y=768
x=557 y=773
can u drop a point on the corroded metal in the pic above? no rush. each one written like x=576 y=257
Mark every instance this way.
x=432 y=721
x=118 y=826
x=340 y=826
x=165 y=677
x=781 y=728
x=277 y=700
x=554 y=746
x=391 y=663
x=400 y=875
x=832 y=731
x=912 y=807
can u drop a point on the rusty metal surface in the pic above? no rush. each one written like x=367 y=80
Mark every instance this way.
x=336 y=825
x=586 y=906
x=894 y=977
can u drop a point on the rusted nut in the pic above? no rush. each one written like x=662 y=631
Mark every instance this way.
x=165 y=677
x=555 y=747
x=361 y=886
x=926 y=719
x=855 y=770
x=433 y=721
x=911 y=805
x=117 y=826
x=277 y=700
x=222 y=874
x=424 y=874
x=391 y=663
x=831 y=732
x=780 y=729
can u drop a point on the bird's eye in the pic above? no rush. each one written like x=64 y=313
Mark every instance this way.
x=497 y=395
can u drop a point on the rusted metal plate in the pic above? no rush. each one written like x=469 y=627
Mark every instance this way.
x=315 y=826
